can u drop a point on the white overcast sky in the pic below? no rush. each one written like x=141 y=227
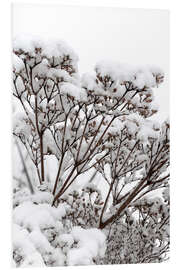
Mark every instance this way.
x=134 y=36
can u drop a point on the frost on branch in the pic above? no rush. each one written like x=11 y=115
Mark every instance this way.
x=93 y=156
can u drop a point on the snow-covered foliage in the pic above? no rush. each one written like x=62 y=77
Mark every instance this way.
x=42 y=237
x=141 y=235
x=98 y=122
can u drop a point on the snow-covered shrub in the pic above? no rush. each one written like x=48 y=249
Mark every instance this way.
x=141 y=235
x=98 y=123
x=41 y=237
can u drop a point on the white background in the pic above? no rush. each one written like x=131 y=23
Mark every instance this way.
x=5 y=124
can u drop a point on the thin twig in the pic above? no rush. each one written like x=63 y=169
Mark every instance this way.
x=25 y=169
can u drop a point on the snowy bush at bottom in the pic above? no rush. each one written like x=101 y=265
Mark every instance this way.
x=41 y=237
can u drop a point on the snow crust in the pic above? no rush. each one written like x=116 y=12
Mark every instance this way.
x=91 y=243
x=74 y=91
x=49 y=47
x=141 y=76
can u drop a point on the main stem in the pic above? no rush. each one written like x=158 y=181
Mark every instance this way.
x=42 y=157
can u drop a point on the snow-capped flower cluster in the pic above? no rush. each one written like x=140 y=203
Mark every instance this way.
x=140 y=76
